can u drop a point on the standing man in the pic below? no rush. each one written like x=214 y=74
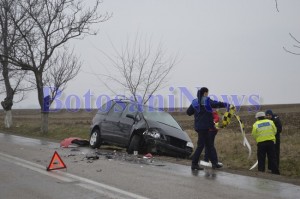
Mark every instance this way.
x=271 y=116
x=264 y=131
x=201 y=108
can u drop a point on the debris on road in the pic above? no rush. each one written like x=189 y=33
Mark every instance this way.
x=75 y=149
x=148 y=157
x=92 y=157
x=73 y=142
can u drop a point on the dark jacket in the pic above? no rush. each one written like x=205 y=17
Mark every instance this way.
x=277 y=122
x=203 y=113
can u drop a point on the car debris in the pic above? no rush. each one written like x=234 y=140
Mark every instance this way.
x=75 y=149
x=92 y=157
x=121 y=156
x=73 y=142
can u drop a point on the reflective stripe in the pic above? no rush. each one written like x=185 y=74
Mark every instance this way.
x=265 y=134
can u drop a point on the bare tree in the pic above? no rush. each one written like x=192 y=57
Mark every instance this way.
x=141 y=68
x=12 y=79
x=46 y=28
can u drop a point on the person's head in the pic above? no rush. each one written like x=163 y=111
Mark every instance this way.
x=202 y=92
x=269 y=114
x=260 y=115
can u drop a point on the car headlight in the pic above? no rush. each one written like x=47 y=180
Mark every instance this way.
x=153 y=133
x=190 y=144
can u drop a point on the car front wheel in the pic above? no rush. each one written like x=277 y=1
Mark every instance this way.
x=134 y=144
x=95 y=139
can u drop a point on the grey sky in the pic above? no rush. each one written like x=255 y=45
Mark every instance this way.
x=233 y=47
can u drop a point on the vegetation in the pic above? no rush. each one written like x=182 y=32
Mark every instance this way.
x=234 y=155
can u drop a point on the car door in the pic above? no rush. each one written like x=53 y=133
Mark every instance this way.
x=110 y=125
x=127 y=120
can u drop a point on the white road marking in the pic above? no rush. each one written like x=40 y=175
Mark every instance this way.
x=108 y=191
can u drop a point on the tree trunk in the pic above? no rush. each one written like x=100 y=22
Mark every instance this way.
x=44 y=124
x=8 y=119
x=7 y=104
x=44 y=114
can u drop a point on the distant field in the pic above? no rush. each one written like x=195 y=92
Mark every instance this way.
x=228 y=141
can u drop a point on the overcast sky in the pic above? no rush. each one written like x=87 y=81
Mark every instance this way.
x=233 y=47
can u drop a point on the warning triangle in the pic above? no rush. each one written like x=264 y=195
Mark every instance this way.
x=56 y=163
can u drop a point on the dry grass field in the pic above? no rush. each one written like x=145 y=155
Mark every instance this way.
x=228 y=141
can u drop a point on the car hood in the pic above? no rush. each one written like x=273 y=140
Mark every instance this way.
x=169 y=130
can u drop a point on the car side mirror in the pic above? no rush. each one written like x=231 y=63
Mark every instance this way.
x=130 y=116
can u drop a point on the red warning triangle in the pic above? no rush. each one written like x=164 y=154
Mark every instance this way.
x=56 y=163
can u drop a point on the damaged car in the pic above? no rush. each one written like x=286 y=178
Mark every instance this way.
x=139 y=128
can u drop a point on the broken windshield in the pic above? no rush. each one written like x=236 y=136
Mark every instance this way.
x=161 y=117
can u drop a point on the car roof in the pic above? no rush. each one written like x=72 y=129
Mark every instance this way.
x=137 y=103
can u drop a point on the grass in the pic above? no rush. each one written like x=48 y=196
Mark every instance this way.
x=234 y=155
x=56 y=131
x=228 y=142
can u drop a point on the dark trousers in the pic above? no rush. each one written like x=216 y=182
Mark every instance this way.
x=211 y=137
x=267 y=148
x=203 y=141
x=277 y=152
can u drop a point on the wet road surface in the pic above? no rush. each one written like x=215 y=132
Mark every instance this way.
x=23 y=163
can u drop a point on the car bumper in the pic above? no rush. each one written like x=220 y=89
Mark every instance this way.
x=161 y=146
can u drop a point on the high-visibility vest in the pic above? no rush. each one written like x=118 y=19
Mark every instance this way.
x=264 y=130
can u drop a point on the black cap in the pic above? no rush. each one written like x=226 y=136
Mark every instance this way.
x=269 y=112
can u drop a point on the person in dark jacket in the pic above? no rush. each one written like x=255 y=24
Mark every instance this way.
x=271 y=116
x=201 y=108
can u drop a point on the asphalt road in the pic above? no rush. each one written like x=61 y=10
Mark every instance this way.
x=23 y=174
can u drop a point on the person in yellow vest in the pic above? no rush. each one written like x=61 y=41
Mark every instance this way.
x=264 y=131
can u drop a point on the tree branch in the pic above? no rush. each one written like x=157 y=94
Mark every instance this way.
x=141 y=69
x=295 y=46
x=276 y=3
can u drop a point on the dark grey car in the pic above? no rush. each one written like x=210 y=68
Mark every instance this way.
x=139 y=128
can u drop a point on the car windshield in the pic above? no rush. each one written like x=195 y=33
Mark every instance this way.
x=160 y=116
